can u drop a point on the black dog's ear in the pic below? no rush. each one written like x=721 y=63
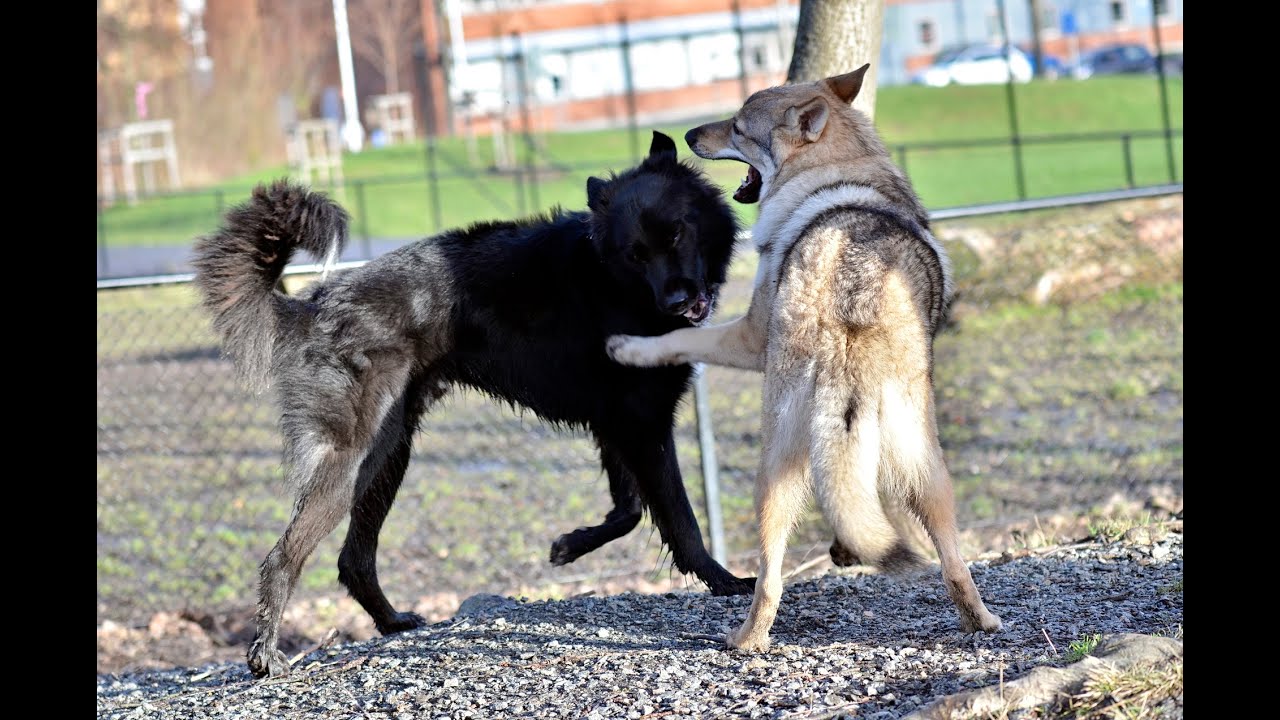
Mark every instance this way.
x=596 y=197
x=662 y=147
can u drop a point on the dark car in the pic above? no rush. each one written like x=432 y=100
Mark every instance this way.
x=1114 y=60
x=1172 y=62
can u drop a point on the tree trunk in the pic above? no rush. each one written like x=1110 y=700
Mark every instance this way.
x=834 y=37
x=391 y=70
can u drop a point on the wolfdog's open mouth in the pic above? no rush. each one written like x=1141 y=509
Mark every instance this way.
x=749 y=191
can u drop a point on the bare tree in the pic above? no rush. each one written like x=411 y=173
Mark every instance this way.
x=382 y=32
x=299 y=48
x=836 y=36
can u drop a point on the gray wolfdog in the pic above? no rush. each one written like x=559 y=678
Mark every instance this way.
x=850 y=290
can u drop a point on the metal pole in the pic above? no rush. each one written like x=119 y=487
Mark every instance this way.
x=530 y=160
x=634 y=132
x=364 y=218
x=1128 y=159
x=351 y=132
x=710 y=469
x=742 y=50
x=1164 y=92
x=219 y=202
x=1014 y=136
x=902 y=158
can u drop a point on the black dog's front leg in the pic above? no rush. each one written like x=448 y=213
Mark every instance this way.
x=621 y=520
x=651 y=461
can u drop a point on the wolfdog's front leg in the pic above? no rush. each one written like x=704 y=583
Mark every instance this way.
x=733 y=344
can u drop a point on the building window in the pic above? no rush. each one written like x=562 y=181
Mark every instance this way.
x=1117 y=11
x=1162 y=7
x=928 y=33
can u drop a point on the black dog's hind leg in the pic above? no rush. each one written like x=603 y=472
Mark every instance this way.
x=652 y=462
x=380 y=479
x=621 y=520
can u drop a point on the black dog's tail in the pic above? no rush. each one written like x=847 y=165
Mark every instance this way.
x=239 y=266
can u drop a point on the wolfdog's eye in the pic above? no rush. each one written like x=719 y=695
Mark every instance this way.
x=675 y=238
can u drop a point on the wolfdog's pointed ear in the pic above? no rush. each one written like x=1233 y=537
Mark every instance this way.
x=596 y=197
x=846 y=86
x=808 y=119
x=662 y=147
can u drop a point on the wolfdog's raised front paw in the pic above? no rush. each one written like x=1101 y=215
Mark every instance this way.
x=637 y=351
x=264 y=661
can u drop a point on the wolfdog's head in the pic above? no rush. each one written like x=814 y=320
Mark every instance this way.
x=666 y=222
x=781 y=130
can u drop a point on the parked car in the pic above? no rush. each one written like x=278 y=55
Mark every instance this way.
x=975 y=65
x=1114 y=60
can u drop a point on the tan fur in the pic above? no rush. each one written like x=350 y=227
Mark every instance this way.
x=849 y=292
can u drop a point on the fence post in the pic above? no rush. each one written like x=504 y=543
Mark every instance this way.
x=429 y=114
x=1128 y=159
x=1014 y=136
x=530 y=160
x=219 y=201
x=902 y=158
x=1164 y=92
x=630 y=89
x=710 y=468
x=364 y=219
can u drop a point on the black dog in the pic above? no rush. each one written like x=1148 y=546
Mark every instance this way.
x=519 y=310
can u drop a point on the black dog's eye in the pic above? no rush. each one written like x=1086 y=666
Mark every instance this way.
x=675 y=238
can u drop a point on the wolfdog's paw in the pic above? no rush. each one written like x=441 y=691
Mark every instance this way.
x=635 y=351
x=983 y=620
x=744 y=640
x=400 y=622
x=264 y=661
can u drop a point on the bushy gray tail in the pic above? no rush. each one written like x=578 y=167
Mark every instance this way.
x=239 y=266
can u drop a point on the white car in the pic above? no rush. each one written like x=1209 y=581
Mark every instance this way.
x=975 y=65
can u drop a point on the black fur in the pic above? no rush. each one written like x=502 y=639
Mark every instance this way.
x=518 y=310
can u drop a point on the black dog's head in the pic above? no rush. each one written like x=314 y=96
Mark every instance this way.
x=665 y=222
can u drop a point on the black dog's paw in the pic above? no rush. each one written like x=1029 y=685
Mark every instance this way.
x=400 y=622
x=565 y=549
x=264 y=662
x=843 y=556
x=734 y=586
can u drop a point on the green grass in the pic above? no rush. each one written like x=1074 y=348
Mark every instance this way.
x=394 y=201
x=1079 y=649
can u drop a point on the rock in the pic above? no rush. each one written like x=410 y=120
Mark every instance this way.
x=484 y=604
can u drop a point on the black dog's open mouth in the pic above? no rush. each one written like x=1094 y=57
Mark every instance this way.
x=699 y=309
x=749 y=191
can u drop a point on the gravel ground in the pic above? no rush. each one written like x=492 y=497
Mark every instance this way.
x=868 y=645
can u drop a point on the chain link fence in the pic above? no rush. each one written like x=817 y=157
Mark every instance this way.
x=1059 y=385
